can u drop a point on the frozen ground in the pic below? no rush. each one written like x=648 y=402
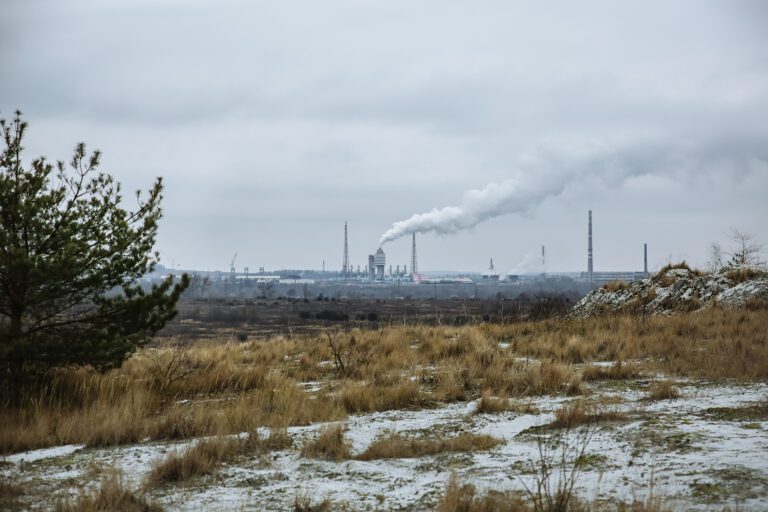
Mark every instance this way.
x=696 y=457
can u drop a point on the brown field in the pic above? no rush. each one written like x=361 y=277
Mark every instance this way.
x=217 y=387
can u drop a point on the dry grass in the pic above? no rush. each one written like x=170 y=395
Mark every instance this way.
x=489 y=404
x=329 y=445
x=201 y=458
x=112 y=494
x=618 y=371
x=397 y=446
x=221 y=388
x=206 y=456
x=577 y=413
x=464 y=498
x=743 y=274
x=304 y=504
x=680 y=265
x=10 y=492
x=615 y=286
x=663 y=390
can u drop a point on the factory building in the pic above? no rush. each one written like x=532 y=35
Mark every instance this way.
x=600 y=278
x=379 y=260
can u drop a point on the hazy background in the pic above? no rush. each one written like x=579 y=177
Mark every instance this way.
x=274 y=122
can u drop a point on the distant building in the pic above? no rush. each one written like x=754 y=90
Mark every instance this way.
x=601 y=278
x=379 y=260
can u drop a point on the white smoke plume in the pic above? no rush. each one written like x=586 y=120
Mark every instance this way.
x=527 y=264
x=549 y=173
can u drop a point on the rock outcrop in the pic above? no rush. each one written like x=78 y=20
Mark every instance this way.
x=678 y=288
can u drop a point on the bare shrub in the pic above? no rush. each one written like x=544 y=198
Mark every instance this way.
x=556 y=470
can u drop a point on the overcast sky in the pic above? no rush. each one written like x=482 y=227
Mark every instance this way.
x=274 y=122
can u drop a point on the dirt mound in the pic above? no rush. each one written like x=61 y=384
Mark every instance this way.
x=678 y=288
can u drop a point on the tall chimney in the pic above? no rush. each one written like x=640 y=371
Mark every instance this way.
x=645 y=259
x=589 y=249
x=543 y=261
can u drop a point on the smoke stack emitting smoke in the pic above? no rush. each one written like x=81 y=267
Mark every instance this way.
x=516 y=195
x=550 y=172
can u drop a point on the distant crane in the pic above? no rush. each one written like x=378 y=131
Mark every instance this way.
x=232 y=267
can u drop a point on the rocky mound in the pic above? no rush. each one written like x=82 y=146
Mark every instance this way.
x=678 y=288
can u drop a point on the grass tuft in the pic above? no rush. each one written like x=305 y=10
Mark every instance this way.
x=663 y=390
x=464 y=498
x=112 y=494
x=489 y=404
x=577 y=413
x=330 y=445
x=397 y=446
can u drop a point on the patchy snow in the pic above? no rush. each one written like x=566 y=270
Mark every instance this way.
x=678 y=289
x=45 y=453
x=672 y=441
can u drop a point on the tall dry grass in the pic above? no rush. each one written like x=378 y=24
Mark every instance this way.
x=206 y=456
x=218 y=388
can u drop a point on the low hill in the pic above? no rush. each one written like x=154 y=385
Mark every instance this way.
x=677 y=288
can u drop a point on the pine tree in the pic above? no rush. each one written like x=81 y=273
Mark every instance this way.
x=70 y=258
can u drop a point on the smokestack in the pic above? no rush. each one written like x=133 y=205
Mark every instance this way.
x=589 y=249
x=413 y=256
x=543 y=261
x=645 y=258
x=345 y=270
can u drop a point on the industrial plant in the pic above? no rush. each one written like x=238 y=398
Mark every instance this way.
x=382 y=278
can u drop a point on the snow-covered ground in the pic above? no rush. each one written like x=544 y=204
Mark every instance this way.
x=673 y=447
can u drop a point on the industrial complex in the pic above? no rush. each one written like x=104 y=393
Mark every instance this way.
x=378 y=273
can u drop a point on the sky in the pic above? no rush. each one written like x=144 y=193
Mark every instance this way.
x=490 y=127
